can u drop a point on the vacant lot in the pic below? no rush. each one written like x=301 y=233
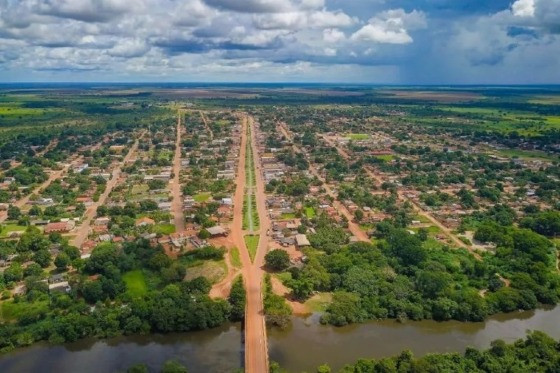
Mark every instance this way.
x=135 y=283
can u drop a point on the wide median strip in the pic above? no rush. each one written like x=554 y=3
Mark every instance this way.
x=252 y=243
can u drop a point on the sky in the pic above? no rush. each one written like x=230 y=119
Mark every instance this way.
x=325 y=41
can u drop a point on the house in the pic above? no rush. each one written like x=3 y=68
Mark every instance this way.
x=60 y=227
x=63 y=286
x=44 y=201
x=102 y=221
x=227 y=201
x=217 y=230
x=80 y=168
x=144 y=221
x=165 y=206
x=302 y=241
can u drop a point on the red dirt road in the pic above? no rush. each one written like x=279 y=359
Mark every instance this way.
x=175 y=184
x=352 y=227
x=256 y=350
x=83 y=229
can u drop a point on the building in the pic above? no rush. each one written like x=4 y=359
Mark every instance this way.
x=217 y=230
x=144 y=221
x=60 y=227
x=302 y=241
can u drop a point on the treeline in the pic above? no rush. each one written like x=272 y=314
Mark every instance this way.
x=100 y=305
x=399 y=277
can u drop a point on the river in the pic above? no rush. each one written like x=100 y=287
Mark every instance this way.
x=304 y=346
x=215 y=350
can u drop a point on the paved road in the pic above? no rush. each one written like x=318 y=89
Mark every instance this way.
x=256 y=350
x=83 y=229
x=175 y=184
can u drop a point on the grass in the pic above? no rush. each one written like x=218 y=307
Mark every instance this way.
x=288 y=216
x=283 y=276
x=528 y=154
x=310 y=212
x=164 y=228
x=135 y=283
x=202 y=197
x=432 y=243
x=213 y=270
x=385 y=157
x=12 y=311
x=252 y=243
x=9 y=228
x=319 y=302
x=357 y=136
x=140 y=188
x=235 y=257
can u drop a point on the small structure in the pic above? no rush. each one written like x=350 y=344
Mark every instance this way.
x=302 y=241
x=60 y=227
x=217 y=231
x=144 y=221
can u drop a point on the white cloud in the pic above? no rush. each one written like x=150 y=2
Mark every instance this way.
x=391 y=27
x=332 y=35
x=523 y=8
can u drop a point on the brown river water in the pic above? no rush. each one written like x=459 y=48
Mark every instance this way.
x=303 y=346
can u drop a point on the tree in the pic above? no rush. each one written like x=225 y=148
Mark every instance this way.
x=173 y=366
x=407 y=247
x=14 y=213
x=277 y=260
x=42 y=257
x=62 y=261
x=237 y=299
x=359 y=215
x=138 y=368
x=204 y=234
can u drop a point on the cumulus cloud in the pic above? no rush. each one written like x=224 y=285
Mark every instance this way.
x=83 y=10
x=523 y=8
x=182 y=39
x=391 y=27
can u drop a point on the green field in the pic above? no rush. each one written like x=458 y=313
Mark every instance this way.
x=385 y=157
x=319 y=302
x=357 y=136
x=310 y=212
x=11 y=311
x=213 y=270
x=135 y=283
x=252 y=243
x=528 y=154
x=235 y=257
x=164 y=228
x=9 y=228
x=288 y=216
x=202 y=197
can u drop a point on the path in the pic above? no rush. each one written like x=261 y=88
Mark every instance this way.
x=175 y=184
x=256 y=350
x=83 y=229
x=205 y=121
